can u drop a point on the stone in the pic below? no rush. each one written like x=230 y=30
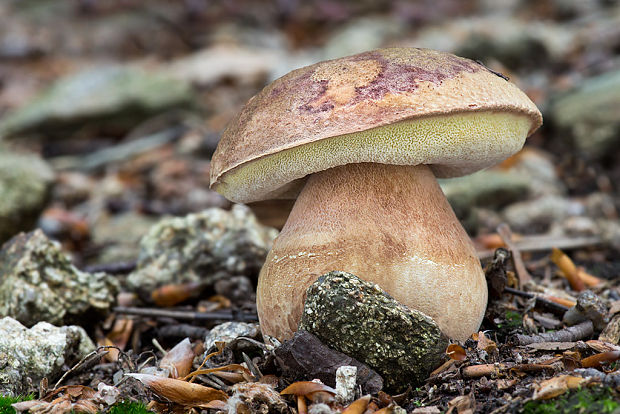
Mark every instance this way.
x=588 y=307
x=119 y=235
x=39 y=283
x=304 y=357
x=25 y=184
x=596 y=132
x=359 y=319
x=43 y=351
x=360 y=35
x=538 y=214
x=487 y=188
x=254 y=397
x=202 y=247
x=113 y=96
x=611 y=333
x=346 y=377
x=228 y=331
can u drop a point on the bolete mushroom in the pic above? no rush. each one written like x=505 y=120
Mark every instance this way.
x=359 y=141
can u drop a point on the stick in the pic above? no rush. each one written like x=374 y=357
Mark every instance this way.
x=542 y=302
x=544 y=242
x=571 y=334
x=504 y=231
x=226 y=315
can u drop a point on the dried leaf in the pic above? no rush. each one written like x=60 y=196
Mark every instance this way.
x=172 y=294
x=178 y=361
x=306 y=387
x=595 y=361
x=485 y=344
x=456 y=352
x=602 y=346
x=180 y=392
x=358 y=406
x=556 y=386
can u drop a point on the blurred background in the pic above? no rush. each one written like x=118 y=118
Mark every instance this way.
x=111 y=109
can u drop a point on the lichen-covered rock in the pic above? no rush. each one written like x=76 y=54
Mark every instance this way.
x=361 y=320
x=39 y=283
x=29 y=355
x=116 y=96
x=228 y=331
x=596 y=131
x=25 y=181
x=202 y=247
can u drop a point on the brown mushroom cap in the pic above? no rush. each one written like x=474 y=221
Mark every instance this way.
x=397 y=106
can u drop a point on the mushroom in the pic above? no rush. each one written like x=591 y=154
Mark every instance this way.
x=359 y=141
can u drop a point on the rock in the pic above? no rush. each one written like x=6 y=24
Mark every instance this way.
x=25 y=183
x=228 y=331
x=538 y=170
x=43 y=351
x=39 y=283
x=487 y=188
x=596 y=131
x=538 y=214
x=253 y=397
x=247 y=66
x=113 y=96
x=514 y=42
x=238 y=289
x=588 y=307
x=346 y=377
x=202 y=247
x=119 y=235
x=611 y=333
x=305 y=357
x=361 y=320
x=359 y=35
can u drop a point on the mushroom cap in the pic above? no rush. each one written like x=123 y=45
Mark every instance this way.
x=400 y=106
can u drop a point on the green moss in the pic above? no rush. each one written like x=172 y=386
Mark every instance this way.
x=513 y=319
x=582 y=401
x=5 y=403
x=129 y=407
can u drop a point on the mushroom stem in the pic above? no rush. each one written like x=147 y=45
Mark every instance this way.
x=387 y=224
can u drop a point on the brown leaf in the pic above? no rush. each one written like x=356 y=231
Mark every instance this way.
x=485 y=344
x=172 y=294
x=180 y=392
x=178 y=361
x=595 y=361
x=358 y=406
x=456 y=352
x=306 y=387
x=556 y=386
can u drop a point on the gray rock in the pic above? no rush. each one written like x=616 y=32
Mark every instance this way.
x=228 y=331
x=29 y=355
x=596 y=131
x=119 y=235
x=588 y=307
x=25 y=182
x=113 y=96
x=39 y=283
x=531 y=215
x=487 y=188
x=202 y=247
x=361 y=320
x=360 y=35
x=537 y=168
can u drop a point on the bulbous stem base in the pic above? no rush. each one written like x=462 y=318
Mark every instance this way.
x=387 y=224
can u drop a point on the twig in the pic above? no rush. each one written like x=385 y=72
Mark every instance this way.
x=504 y=231
x=119 y=268
x=544 y=242
x=483 y=370
x=225 y=315
x=553 y=307
x=252 y=366
x=571 y=334
x=85 y=361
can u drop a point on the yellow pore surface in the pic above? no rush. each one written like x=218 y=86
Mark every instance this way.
x=452 y=145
